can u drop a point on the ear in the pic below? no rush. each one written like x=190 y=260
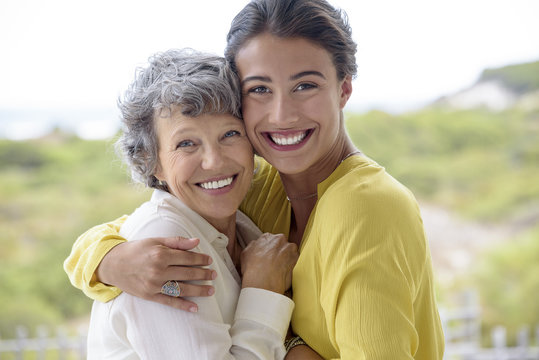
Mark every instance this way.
x=346 y=90
x=159 y=173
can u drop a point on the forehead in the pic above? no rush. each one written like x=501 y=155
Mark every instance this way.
x=265 y=53
x=174 y=119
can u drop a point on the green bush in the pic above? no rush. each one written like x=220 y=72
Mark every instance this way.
x=507 y=278
x=52 y=191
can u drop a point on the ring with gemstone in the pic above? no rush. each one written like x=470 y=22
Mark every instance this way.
x=171 y=288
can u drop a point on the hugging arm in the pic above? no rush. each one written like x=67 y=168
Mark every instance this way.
x=102 y=264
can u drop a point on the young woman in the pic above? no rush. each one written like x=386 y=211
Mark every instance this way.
x=363 y=285
x=183 y=137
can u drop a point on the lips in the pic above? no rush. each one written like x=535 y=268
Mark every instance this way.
x=217 y=183
x=287 y=140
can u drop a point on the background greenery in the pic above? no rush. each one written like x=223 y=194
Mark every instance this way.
x=480 y=164
x=51 y=190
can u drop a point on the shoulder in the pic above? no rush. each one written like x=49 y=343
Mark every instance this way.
x=365 y=188
x=366 y=207
x=163 y=215
x=367 y=217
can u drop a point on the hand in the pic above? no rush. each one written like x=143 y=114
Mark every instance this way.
x=267 y=263
x=140 y=268
x=302 y=352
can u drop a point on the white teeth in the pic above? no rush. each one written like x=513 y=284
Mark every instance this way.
x=212 y=185
x=292 y=140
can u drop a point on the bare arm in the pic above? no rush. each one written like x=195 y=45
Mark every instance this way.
x=302 y=352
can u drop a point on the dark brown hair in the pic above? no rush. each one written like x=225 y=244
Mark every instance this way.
x=314 y=20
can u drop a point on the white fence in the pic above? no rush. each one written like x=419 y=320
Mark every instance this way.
x=45 y=345
x=500 y=351
x=462 y=330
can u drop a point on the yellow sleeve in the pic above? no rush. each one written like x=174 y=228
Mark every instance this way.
x=87 y=253
x=372 y=266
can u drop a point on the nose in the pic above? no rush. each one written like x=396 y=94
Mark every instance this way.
x=212 y=158
x=283 y=112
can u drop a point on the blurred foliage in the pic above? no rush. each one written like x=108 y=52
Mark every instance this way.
x=520 y=78
x=51 y=190
x=508 y=282
x=478 y=163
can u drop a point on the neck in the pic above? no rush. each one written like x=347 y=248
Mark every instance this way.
x=226 y=226
x=301 y=188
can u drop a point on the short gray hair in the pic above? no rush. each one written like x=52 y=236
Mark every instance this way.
x=198 y=83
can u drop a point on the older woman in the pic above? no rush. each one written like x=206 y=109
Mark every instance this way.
x=183 y=137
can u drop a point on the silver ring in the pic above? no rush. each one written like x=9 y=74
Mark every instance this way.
x=171 y=288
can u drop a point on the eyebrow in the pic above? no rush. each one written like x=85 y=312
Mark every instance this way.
x=255 y=78
x=293 y=77
x=307 y=73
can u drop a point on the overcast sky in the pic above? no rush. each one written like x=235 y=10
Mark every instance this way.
x=72 y=53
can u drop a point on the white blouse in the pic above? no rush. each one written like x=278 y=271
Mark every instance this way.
x=234 y=323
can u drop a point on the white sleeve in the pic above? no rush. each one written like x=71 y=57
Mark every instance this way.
x=260 y=324
x=156 y=331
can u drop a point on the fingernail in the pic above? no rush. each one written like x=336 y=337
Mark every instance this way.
x=214 y=275
x=211 y=291
x=193 y=309
x=210 y=260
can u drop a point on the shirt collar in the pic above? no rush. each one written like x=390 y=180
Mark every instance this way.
x=245 y=228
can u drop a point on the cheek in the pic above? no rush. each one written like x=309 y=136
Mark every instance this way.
x=325 y=108
x=250 y=113
x=250 y=125
x=181 y=170
x=247 y=153
x=243 y=155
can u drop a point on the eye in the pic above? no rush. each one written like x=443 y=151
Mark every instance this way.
x=232 y=133
x=185 y=144
x=259 y=90
x=306 y=86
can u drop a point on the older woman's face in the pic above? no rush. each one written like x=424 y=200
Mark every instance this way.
x=206 y=161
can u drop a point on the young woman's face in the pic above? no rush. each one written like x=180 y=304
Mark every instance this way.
x=292 y=100
x=206 y=161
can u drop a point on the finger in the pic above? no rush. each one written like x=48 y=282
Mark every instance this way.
x=186 y=273
x=178 y=242
x=186 y=290
x=194 y=290
x=168 y=256
x=176 y=302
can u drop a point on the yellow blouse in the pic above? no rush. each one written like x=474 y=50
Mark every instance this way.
x=363 y=285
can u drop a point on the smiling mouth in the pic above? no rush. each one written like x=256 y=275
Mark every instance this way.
x=288 y=139
x=217 y=184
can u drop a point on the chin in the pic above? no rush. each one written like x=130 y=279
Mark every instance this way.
x=288 y=167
